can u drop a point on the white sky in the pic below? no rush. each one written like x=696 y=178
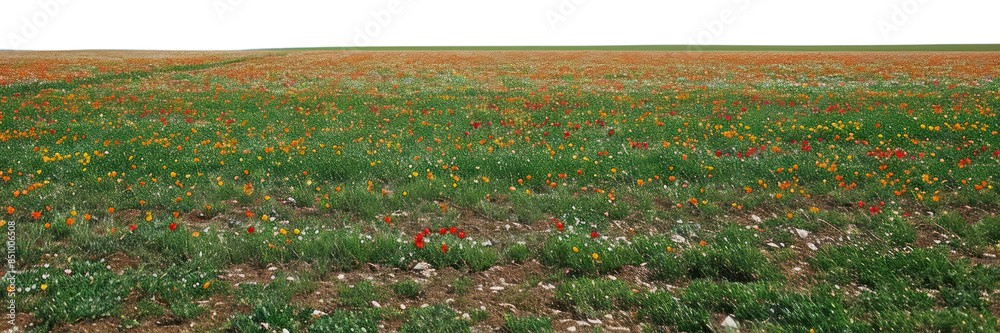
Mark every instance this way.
x=246 y=24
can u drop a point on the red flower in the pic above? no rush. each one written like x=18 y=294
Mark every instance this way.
x=453 y=230
x=861 y=204
x=388 y=219
x=461 y=234
x=173 y=226
x=444 y=248
x=250 y=230
x=594 y=234
x=132 y=227
x=443 y=231
x=559 y=226
x=36 y=215
x=874 y=210
x=427 y=231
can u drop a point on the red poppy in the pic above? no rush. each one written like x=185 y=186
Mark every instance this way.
x=443 y=231
x=36 y=215
x=132 y=227
x=453 y=230
x=444 y=248
x=173 y=226
x=559 y=226
x=388 y=219
x=594 y=234
x=250 y=230
x=461 y=234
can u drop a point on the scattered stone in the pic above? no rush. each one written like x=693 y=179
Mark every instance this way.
x=729 y=325
x=571 y=329
x=802 y=233
x=424 y=269
x=375 y=304
x=496 y=288
x=756 y=218
x=813 y=247
x=595 y=321
x=772 y=245
x=678 y=239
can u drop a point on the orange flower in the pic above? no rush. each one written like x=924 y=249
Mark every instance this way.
x=10 y=210
x=36 y=215
x=693 y=201
x=111 y=210
x=69 y=221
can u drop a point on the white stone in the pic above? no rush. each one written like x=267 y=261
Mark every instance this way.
x=729 y=324
x=802 y=233
x=678 y=239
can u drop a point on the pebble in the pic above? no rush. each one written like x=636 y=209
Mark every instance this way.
x=729 y=324
x=571 y=329
x=802 y=233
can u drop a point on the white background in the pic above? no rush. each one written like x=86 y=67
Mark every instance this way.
x=249 y=24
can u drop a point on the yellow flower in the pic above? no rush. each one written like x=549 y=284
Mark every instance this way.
x=195 y=234
x=595 y=256
x=206 y=285
x=296 y=231
x=576 y=249
x=814 y=209
x=44 y=286
x=283 y=231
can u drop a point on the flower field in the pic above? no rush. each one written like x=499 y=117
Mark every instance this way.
x=514 y=191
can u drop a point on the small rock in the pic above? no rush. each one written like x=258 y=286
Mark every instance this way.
x=571 y=329
x=678 y=239
x=465 y=315
x=402 y=306
x=318 y=313
x=802 y=233
x=609 y=316
x=375 y=304
x=755 y=218
x=496 y=288
x=772 y=245
x=340 y=277
x=595 y=321
x=812 y=246
x=420 y=266
x=729 y=324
